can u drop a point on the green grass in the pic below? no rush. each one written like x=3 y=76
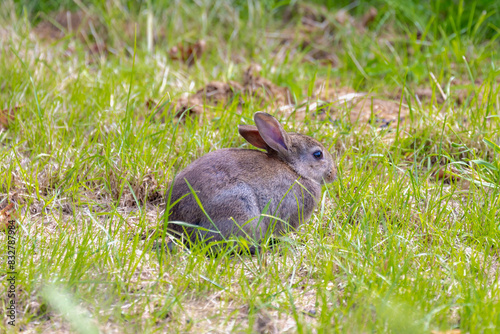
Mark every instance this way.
x=392 y=247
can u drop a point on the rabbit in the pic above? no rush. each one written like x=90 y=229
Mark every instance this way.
x=235 y=185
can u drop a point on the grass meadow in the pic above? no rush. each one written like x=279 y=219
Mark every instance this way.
x=104 y=102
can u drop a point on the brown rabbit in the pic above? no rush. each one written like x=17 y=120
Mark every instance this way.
x=236 y=185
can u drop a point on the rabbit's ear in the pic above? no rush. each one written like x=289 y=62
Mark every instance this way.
x=271 y=131
x=252 y=135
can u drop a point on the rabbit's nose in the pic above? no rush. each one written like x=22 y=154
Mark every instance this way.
x=332 y=174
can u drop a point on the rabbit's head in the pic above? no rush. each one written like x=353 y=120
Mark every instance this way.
x=305 y=155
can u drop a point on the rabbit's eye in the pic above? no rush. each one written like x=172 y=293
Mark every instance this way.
x=318 y=154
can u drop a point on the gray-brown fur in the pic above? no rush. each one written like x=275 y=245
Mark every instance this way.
x=236 y=184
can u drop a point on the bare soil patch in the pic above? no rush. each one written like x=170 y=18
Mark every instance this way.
x=188 y=52
x=253 y=86
x=7 y=116
x=354 y=107
x=84 y=26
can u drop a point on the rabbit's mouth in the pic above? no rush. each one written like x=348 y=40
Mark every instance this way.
x=325 y=181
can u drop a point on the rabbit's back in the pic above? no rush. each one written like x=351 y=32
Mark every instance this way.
x=235 y=185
